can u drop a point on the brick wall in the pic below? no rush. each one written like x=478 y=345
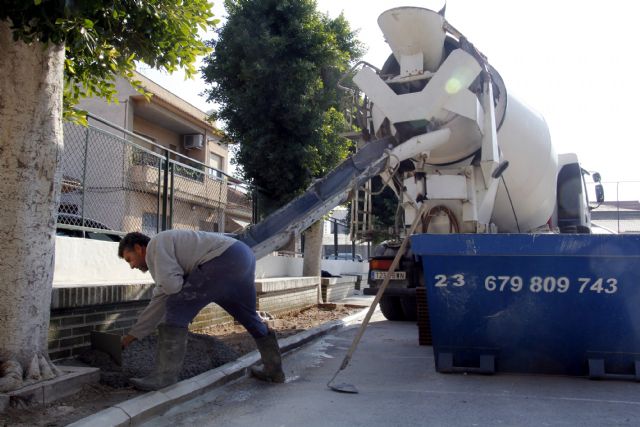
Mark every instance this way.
x=282 y=294
x=212 y=314
x=70 y=328
x=337 y=288
x=278 y=303
x=76 y=311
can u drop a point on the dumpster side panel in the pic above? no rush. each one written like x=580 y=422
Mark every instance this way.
x=536 y=304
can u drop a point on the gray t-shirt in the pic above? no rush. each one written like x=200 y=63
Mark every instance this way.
x=170 y=256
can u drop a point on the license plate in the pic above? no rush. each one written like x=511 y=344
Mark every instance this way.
x=396 y=275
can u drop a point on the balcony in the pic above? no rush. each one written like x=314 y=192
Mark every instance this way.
x=188 y=185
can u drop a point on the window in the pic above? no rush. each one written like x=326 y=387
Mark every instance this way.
x=569 y=192
x=215 y=163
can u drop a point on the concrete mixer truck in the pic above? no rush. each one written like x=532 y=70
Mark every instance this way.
x=481 y=160
x=499 y=223
x=443 y=132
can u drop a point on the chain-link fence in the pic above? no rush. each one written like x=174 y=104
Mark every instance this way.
x=115 y=184
x=620 y=212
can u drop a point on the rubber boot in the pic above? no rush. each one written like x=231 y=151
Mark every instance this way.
x=271 y=359
x=172 y=345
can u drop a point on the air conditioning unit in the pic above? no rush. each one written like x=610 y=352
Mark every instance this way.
x=193 y=142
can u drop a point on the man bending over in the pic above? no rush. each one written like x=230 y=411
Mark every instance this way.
x=192 y=269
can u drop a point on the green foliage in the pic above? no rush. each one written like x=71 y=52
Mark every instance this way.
x=104 y=39
x=331 y=148
x=273 y=72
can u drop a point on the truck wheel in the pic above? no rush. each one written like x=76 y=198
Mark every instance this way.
x=391 y=308
x=409 y=308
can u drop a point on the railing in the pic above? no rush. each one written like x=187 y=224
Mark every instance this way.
x=117 y=181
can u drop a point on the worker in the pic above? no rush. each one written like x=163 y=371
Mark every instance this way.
x=192 y=269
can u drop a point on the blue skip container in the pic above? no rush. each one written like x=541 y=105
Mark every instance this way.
x=538 y=304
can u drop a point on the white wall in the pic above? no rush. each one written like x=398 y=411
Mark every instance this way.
x=280 y=266
x=84 y=261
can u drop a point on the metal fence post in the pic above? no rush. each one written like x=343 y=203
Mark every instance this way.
x=335 y=237
x=165 y=189
x=172 y=172
x=84 y=176
x=159 y=197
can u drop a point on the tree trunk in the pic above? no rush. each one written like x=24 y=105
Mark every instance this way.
x=30 y=150
x=313 y=249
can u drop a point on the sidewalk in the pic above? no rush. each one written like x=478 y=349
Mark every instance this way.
x=142 y=408
x=398 y=386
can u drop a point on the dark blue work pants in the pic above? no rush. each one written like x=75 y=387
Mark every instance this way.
x=227 y=280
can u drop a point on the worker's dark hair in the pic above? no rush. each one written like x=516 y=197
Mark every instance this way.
x=130 y=240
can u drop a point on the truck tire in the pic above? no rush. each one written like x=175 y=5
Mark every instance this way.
x=409 y=308
x=391 y=308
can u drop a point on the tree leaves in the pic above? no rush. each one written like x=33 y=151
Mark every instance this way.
x=273 y=72
x=103 y=39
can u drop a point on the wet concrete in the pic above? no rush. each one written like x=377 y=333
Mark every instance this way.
x=203 y=353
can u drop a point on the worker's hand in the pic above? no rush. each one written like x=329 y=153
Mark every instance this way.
x=127 y=340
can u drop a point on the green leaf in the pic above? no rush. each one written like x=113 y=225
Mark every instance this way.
x=103 y=39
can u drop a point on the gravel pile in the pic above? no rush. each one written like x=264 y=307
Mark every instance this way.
x=203 y=353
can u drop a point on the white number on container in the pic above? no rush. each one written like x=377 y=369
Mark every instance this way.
x=563 y=284
x=612 y=286
x=459 y=280
x=491 y=283
x=535 y=285
x=442 y=280
x=549 y=284
x=516 y=283
x=598 y=285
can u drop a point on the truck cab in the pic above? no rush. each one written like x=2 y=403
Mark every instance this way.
x=573 y=210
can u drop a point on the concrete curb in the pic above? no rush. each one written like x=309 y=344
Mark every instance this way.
x=140 y=409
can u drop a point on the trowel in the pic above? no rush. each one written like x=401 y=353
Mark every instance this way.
x=108 y=343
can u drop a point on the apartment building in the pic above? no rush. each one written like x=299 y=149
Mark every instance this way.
x=147 y=164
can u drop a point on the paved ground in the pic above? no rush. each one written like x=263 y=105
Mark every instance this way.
x=399 y=387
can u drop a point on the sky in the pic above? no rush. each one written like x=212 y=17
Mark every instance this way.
x=573 y=62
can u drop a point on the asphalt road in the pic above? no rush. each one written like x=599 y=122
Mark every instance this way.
x=399 y=387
